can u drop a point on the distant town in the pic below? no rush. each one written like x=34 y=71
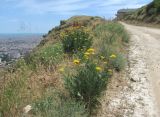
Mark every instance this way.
x=16 y=46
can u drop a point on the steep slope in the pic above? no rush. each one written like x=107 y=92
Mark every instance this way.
x=149 y=14
x=66 y=74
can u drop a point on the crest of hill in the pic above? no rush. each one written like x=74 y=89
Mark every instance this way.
x=53 y=34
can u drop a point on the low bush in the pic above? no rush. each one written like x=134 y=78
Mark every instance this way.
x=87 y=84
x=118 y=63
x=76 y=40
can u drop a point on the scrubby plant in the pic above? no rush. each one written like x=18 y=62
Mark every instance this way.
x=47 y=56
x=118 y=63
x=87 y=84
x=50 y=106
x=76 y=40
x=157 y=3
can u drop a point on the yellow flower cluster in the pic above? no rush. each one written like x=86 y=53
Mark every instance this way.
x=113 y=56
x=99 y=69
x=102 y=57
x=61 y=69
x=89 y=52
x=110 y=71
x=76 y=61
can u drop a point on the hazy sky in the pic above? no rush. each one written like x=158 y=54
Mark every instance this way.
x=36 y=16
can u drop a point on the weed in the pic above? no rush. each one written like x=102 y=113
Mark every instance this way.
x=53 y=106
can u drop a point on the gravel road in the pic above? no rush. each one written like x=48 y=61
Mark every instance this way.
x=144 y=58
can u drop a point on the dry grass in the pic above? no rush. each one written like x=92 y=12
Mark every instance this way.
x=24 y=85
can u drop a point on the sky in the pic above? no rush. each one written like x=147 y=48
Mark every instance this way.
x=39 y=16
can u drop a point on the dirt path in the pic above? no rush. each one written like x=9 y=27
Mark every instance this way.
x=148 y=41
x=137 y=92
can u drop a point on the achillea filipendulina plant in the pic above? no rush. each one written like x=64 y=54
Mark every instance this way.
x=87 y=84
x=76 y=40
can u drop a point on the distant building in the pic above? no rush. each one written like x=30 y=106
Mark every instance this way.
x=123 y=12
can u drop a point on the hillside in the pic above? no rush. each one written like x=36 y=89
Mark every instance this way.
x=67 y=73
x=149 y=14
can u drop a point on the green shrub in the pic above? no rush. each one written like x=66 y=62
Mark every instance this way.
x=87 y=85
x=53 y=107
x=118 y=63
x=47 y=56
x=157 y=3
x=76 y=40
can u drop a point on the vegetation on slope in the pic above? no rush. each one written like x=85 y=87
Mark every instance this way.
x=67 y=73
x=147 y=14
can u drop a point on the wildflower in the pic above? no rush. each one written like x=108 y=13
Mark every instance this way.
x=61 y=69
x=90 y=50
x=113 y=56
x=86 y=57
x=87 y=53
x=98 y=68
x=102 y=57
x=109 y=71
x=105 y=62
x=76 y=61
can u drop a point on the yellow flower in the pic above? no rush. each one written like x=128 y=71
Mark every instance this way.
x=86 y=57
x=98 y=68
x=102 y=57
x=76 y=62
x=113 y=56
x=105 y=62
x=87 y=53
x=61 y=69
x=110 y=71
x=90 y=50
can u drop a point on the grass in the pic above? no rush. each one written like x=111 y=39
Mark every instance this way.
x=56 y=105
x=47 y=56
x=36 y=79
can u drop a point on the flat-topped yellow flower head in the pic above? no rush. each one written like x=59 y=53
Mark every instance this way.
x=90 y=50
x=98 y=69
x=76 y=61
x=102 y=57
x=105 y=62
x=110 y=71
x=87 y=53
x=61 y=69
x=113 y=56
x=86 y=57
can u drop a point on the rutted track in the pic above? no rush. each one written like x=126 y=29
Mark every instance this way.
x=144 y=58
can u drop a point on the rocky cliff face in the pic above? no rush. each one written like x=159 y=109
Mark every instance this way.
x=146 y=14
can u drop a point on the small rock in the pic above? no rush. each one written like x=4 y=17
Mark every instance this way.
x=133 y=80
x=27 y=109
